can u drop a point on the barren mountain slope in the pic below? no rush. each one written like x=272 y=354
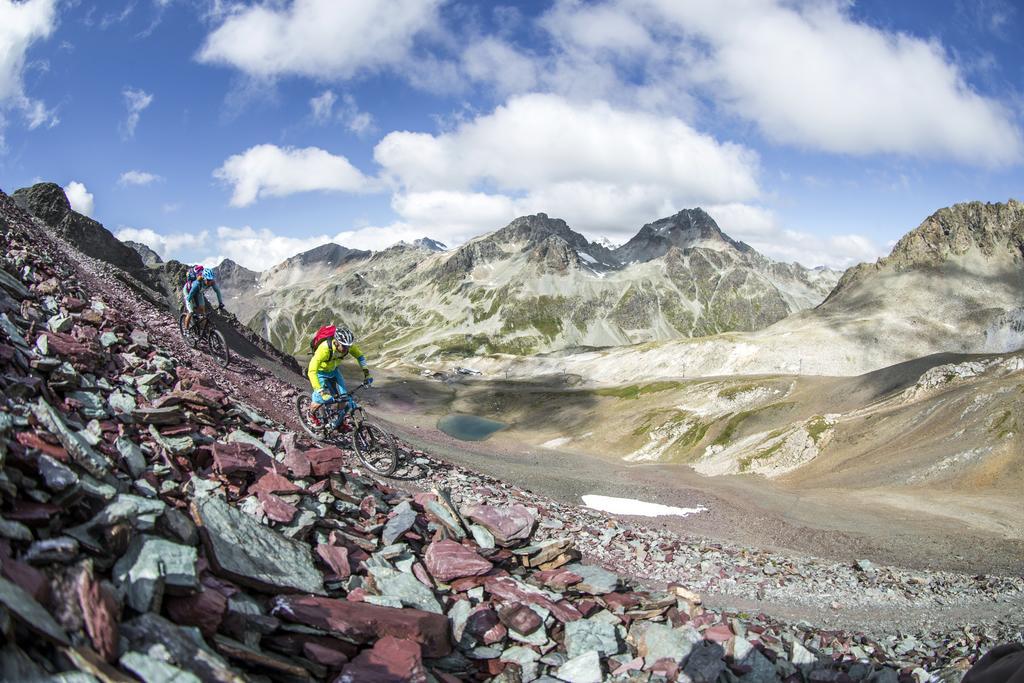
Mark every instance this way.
x=533 y=286
x=954 y=284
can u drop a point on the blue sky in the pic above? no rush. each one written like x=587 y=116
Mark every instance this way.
x=817 y=131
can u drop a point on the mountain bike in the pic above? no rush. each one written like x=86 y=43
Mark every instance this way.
x=374 y=447
x=203 y=332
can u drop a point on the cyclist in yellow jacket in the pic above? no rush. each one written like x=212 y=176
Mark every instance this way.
x=324 y=373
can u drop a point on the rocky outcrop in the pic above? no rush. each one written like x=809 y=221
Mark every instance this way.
x=687 y=229
x=148 y=256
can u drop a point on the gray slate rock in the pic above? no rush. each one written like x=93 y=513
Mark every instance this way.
x=583 y=669
x=154 y=670
x=24 y=606
x=584 y=635
x=79 y=450
x=245 y=551
x=150 y=564
x=596 y=581
x=400 y=522
x=56 y=475
x=406 y=588
x=132 y=455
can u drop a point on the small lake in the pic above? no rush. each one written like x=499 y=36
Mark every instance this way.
x=469 y=427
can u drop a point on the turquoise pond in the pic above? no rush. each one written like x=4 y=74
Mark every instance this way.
x=469 y=427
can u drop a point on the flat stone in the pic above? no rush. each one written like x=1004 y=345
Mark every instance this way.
x=174 y=445
x=56 y=475
x=391 y=660
x=446 y=518
x=402 y=519
x=363 y=622
x=59 y=549
x=521 y=619
x=272 y=482
x=656 y=641
x=153 y=670
x=238 y=436
x=512 y=590
x=121 y=403
x=595 y=580
x=243 y=550
x=705 y=664
x=406 y=588
x=100 y=612
x=584 y=635
x=132 y=456
x=30 y=612
x=92 y=405
x=276 y=509
x=449 y=560
x=78 y=449
x=297 y=463
x=175 y=523
x=150 y=564
x=325 y=461
x=508 y=524
x=181 y=647
x=585 y=668
x=483 y=537
x=108 y=339
x=761 y=668
x=336 y=557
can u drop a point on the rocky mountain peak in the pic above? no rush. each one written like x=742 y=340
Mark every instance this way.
x=995 y=230
x=430 y=244
x=148 y=256
x=329 y=254
x=687 y=229
x=45 y=201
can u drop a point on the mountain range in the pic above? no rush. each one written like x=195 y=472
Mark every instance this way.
x=533 y=286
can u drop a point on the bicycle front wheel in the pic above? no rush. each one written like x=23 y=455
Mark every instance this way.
x=187 y=334
x=376 y=449
x=219 y=348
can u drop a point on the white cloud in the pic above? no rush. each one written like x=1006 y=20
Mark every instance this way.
x=493 y=60
x=322 y=106
x=22 y=24
x=136 y=101
x=596 y=166
x=323 y=39
x=138 y=178
x=79 y=197
x=323 y=111
x=761 y=229
x=807 y=73
x=260 y=249
x=166 y=245
x=272 y=171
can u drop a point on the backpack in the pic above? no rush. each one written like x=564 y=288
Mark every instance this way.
x=324 y=333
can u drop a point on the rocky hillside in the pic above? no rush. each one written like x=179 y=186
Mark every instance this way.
x=954 y=284
x=533 y=286
x=160 y=522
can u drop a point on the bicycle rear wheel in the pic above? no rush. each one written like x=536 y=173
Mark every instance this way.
x=219 y=348
x=376 y=449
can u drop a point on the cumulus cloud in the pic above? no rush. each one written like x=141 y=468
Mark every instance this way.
x=597 y=166
x=761 y=228
x=808 y=74
x=272 y=171
x=168 y=246
x=136 y=102
x=259 y=249
x=79 y=197
x=323 y=39
x=22 y=24
x=138 y=178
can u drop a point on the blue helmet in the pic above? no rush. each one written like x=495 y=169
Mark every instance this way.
x=208 y=274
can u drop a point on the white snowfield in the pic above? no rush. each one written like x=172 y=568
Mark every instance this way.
x=638 y=508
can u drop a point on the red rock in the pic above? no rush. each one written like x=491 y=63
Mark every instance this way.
x=272 y=482
x=297 y=463
x=392 y=660
x=509 y=590
x=30 y=579
x=719 y=633
x=449 y=560
x=232 y=458
x=276 y=509
x=325 y=461
x=368 y=506
x=33 y=513
x=422 y=498
x=557 y=579
x=101 y=615
x=620 y=602
x=33 y=440
x=329 y=657
x=336 y=558
x=482 y=622
x=364 y=622
x=587 y=606
x=204 y=610
x=520 y=619
x=420 y=573
x=509 y=524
